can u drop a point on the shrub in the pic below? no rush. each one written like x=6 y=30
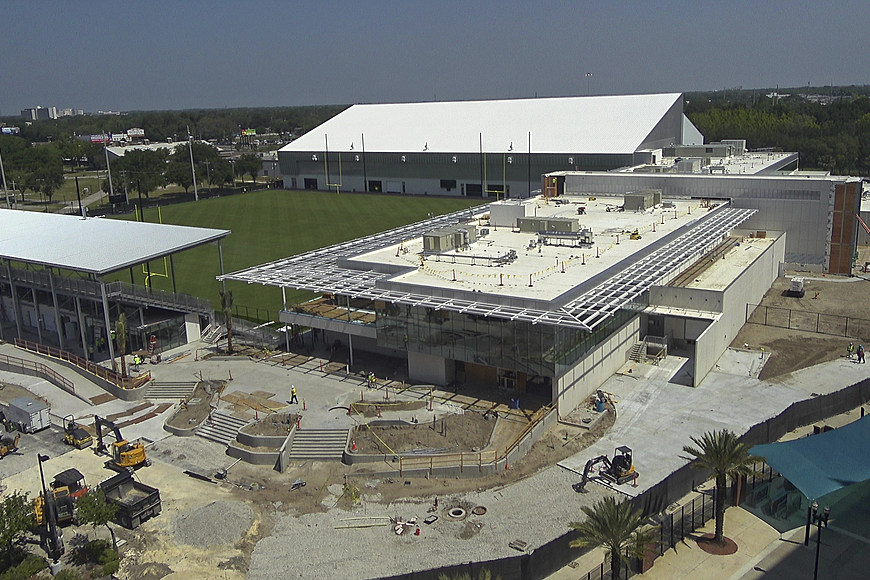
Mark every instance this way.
x=25 y=567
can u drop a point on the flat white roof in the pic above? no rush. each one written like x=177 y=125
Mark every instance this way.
x=725 y=271
x=92 y=245
x=601 y=124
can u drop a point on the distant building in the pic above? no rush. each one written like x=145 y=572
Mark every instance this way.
x=488 y=149
x=37 y=113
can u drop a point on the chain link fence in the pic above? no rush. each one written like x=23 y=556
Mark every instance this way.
x=817 y=322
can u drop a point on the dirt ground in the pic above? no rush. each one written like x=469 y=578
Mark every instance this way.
x=9 y=391
x=793 y=350
x=198 y=406
x=274 y=489
x=274 y=425
x=451 y=434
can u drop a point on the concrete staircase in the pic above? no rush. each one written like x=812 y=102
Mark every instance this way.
x=222 y=428
x=320 y=444
x=169 y=390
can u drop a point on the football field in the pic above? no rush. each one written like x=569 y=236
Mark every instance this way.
x=272 y=224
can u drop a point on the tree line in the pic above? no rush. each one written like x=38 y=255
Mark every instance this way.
x=829 y=127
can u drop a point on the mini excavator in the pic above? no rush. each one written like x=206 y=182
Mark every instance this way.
x=618 y=470
x=125 y=455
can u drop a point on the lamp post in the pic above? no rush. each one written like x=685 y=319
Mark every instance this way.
x=5 y=190
x=53 y=541
x=588 y=81
x=819 y=519
x=192 y=170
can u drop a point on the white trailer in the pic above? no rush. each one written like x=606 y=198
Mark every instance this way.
x=29 y=415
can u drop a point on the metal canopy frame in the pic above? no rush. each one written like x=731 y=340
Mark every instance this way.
x=319 y=271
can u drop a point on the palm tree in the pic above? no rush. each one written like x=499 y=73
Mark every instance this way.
x=121 y=341
x=227 y=309
x=726 y=456
x=615 y=526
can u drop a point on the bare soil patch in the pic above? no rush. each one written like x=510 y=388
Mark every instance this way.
x=8 y=391
x=370 y=409
x=454 y=433
x=197 y=406
x=274 y=425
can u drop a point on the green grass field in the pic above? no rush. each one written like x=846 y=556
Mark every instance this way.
x=273 y=224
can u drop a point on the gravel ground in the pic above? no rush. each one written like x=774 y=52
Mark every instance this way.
x=320 y=551
x=190 y=453
x=219 y=522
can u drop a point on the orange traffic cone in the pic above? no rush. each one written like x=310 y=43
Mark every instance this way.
x=353 y=444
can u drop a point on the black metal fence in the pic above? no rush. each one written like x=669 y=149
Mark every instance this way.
x=845 y=326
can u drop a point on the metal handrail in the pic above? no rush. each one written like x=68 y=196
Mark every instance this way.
x=42 y=370
x=86 y=365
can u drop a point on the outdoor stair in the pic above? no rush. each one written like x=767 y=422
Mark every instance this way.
x=212 y=333
x=637 y=352
x=169 y=390
x=222 y=428
x=321 y=444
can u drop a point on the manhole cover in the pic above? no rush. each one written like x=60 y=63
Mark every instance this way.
x=479 y=510
x=195 y=401
x=456 y=513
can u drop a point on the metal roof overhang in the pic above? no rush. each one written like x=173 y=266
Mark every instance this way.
x=93 y=245
x=317 y=271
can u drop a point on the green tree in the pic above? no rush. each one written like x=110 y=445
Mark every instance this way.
x=726 y=456
x=121 y=341
x=43 y=168
x=92 y=508
x=16 y=517
x=617 y=527
x=145 y=169
x=227 y=309
x=178 y=172
x=249 y=164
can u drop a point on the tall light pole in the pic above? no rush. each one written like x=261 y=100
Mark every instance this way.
x=192 y=169
x=53 y=542
x=819 y=519
x=5 y=191
x=588 y=81
x=109 y=172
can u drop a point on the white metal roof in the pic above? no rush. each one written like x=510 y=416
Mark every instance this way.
x=92 y=245
x=603 y=124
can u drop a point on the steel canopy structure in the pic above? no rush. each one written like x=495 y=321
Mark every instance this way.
x=325 y=271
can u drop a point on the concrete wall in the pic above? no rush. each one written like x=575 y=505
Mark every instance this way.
x=590 y=372
x=191 y=327
x=430 y=369
x=800 y=206
x=748 y=288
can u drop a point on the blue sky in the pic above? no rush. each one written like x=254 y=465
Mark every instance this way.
x=155 y=54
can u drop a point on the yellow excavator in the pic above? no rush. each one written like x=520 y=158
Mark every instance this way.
x=125 y=455
x=9 y=444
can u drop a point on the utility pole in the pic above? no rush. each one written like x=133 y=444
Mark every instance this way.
x=5 y=191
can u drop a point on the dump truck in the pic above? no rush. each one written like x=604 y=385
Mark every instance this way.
x=136 y=501
x=28 y=415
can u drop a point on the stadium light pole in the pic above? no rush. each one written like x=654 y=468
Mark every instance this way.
x=192 y=169
x=588 y=81
x=5 y=191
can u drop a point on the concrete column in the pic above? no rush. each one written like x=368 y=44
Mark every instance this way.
x=82 y=326
x=286 y=329
x=60 y=329
x=350 y=349
x=108 y=324
x=38 y=316
x=16 y=308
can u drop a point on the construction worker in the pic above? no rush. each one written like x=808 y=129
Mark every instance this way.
x=851 y=350
x=861 y=353
x=293 y=399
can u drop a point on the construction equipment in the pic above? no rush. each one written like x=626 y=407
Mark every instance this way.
x=619 y=470
x=9 y=444
x=124 y=454
x=29 y=415
x=74 y=435
x=72 y=480
x=136 y=501
x=635 y=235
